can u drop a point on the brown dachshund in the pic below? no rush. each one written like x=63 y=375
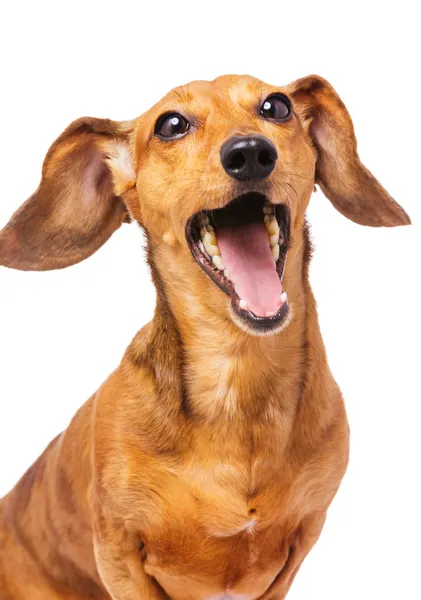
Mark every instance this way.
x=203 y=468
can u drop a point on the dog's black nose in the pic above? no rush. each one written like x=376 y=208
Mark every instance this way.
x=248 y=158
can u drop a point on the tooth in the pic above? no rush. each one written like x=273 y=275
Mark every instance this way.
x=209 y=237
x=275 y=252
x=226 y=274
x=283 y=297
x=206 y=227
x=274 y=239
x=210 y=243
x=270 y=314
x=243 y=304
x=272 y=226
x=212 y=250
x=268 y=209
x=217 y=261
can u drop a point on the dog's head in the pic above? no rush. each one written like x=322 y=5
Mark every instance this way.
x=219 y=171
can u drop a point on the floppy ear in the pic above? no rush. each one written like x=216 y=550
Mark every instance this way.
x=348 y=184
x=78 y=203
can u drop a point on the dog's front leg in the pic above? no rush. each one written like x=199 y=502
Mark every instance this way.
x=120 y=564
x=300 y=545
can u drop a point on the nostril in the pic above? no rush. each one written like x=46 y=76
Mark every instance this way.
x=237 y=161
x=265 y=158
x=248 y=158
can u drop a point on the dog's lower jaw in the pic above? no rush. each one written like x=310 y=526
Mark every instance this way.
x=276 y=329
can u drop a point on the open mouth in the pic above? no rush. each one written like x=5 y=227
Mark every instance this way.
x=242 y=248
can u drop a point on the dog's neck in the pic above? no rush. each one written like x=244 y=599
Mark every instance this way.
x=200 y=355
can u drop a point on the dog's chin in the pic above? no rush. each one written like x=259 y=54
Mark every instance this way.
x=259 y=326
x=242 y=248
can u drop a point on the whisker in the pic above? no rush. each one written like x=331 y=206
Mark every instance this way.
x=296 y=175
x=285 y=190
x=194 y=171
x=152 y=249
x=292 y=187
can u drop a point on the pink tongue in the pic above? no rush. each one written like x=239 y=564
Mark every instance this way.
x=246 y=253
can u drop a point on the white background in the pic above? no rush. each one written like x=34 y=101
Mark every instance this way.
x=61 y=333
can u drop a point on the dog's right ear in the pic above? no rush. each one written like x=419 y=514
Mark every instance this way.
x=78 y=204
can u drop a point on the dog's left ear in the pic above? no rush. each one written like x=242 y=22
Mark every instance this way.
x=348 y=184
x=79 y=202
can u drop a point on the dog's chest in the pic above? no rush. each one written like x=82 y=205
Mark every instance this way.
x=231 y=486
x=225 y=514
x=231 y=496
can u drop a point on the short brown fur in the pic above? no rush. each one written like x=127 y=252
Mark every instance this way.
x=205 y=464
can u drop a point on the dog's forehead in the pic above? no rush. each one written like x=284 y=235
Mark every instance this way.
x=226 y=84
x=238 y=89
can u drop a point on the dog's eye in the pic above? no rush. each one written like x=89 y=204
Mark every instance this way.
x=171 y=126
x=276 y=107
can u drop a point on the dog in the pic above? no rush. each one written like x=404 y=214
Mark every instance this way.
x=203 y=468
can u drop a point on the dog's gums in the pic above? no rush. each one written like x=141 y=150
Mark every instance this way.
x=243 y=248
